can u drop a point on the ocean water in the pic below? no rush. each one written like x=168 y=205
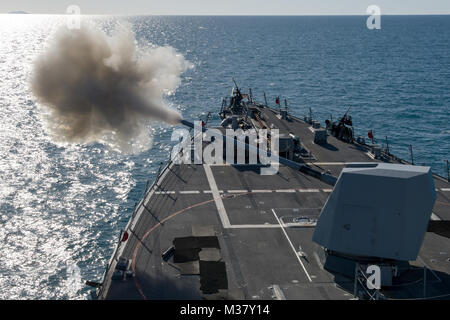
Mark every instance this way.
x=62 y=206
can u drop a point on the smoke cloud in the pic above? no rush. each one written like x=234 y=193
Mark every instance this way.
x=103 y=88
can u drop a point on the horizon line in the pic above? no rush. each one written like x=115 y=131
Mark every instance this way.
x=229 y=15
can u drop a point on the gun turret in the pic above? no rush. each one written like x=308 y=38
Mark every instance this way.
x=236 y=99
x=346 y=119
x=237 y=88
x=342 y=130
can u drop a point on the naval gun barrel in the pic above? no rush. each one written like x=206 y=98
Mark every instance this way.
x=190 y=124
x=322 y=176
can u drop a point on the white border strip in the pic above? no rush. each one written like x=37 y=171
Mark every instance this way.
x=244 y=191
x=190 y=192
x=164 y=192
x=309 y=190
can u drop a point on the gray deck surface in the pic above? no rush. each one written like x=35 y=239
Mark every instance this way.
x=259 y=253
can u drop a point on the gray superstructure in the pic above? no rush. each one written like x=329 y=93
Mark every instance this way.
x=226 y=232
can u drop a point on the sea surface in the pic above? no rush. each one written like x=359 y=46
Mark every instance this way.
x=62 y=206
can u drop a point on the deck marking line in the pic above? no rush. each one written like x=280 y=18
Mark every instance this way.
x=189 y=192
x=292 y=246
x=237 y=191
x=217 y=198
x=445 y=189
x=371 y=156
x=254 y=226
x=209 y=191
x=262 y=191
x=164 y=192
x=327 y=163
x=308 y=190
x=285 y=190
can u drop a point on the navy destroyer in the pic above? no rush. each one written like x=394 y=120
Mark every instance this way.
x=342 y=218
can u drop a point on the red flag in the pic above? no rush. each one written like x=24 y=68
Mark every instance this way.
x=125 y=236
x=277 y=100
x=370 y=134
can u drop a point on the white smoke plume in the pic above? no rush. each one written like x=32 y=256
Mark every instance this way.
x=103 y=88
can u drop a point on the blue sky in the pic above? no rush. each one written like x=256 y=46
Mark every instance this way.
x=227 y=7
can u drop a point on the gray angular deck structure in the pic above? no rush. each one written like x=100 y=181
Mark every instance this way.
x=378 y=210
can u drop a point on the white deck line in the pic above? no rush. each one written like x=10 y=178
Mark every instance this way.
x=226 y=164
x=278 y=293
x=269 y=226
x=254 y=226
x=445 y=189
x=237 y=191
x=217 y=198
x=371 y=156
x=209 y=191
x=327 y=163
x=164 y=192
x=327 y=190
x=285 y=190
x=292 y=246
x=262 y=191
x=136 y=218
x=190 y=192
x=309 y=190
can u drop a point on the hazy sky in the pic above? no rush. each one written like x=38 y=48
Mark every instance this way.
x=229 y=7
